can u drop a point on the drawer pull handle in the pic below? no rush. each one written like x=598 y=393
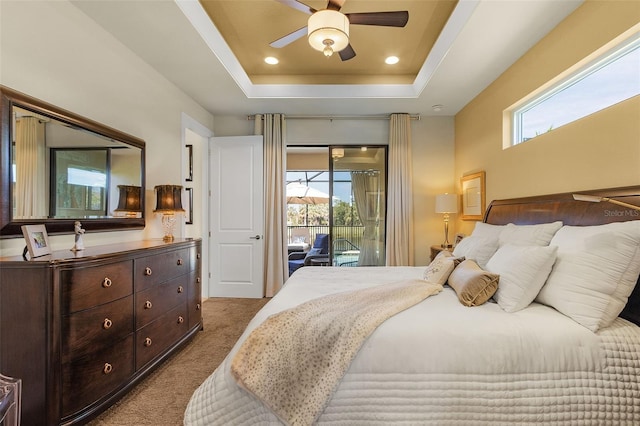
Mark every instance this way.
x=197 y=306
x=107 y=324
x=180 y=262
x=108 y=368
x=106 y=283
x=148 y=305
x=180 y=289
x=198 y=255
x=148 y=271
x=180 y=319
x=198 y=280
x=147 y=341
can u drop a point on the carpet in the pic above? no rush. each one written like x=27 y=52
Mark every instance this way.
x=161 y=398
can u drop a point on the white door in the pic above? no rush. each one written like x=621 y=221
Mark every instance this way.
x=237 y=217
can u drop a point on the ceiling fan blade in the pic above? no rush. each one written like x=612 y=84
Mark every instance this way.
x=289 y=38
x=335 y=4
x=386 y=19
x=347 y=53
x=298 y=6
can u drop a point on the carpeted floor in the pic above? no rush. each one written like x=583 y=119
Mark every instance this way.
x=162 y=397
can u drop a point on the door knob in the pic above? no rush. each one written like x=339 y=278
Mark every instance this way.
x=257 y=237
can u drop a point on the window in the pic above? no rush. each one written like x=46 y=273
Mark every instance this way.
x=609 y=79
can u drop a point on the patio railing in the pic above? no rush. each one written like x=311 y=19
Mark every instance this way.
x=344 y=238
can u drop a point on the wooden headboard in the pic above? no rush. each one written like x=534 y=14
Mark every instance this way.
x=553 y=207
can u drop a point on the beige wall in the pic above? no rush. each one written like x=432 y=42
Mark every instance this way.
x=599 y=151
x=54 y=52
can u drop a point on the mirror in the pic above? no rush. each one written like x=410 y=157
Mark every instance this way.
x=57 y=167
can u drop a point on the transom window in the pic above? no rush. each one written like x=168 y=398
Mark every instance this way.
x=609 y=79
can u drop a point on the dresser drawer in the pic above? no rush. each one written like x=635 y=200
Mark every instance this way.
x=89 y=378
x=195 y=257
x=155 y=301
x=156 y=337
x=195 y=299
x=84 y=288
x=92 y=329
x=152 y=270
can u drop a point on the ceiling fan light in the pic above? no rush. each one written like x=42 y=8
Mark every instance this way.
x=328 y=25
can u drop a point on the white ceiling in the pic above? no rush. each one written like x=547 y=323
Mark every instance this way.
x=479 y=42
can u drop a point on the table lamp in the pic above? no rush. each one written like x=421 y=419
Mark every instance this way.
x=129 y=201
x=446 y=204
x=168 y=202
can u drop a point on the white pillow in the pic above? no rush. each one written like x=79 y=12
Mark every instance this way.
x=486 y=230
x=523 y=271
x=595 y=272
x=476 y=248
x=529 y=235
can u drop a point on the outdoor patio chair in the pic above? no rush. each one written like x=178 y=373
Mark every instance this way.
x=319 y=250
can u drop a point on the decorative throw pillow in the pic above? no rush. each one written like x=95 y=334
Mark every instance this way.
x=476 y=248
x=529 y=235
x=523 y=271
x=473 y=285
x=595 y=272
x=441 y=267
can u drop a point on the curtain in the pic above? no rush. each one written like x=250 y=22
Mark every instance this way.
x=272 y=127
x=366 y=190
x=30 y=195
x=400 y=195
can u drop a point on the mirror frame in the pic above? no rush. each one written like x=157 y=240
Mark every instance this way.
x=10 y=228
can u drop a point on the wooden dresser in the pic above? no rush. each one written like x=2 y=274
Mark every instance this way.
x=80 y=329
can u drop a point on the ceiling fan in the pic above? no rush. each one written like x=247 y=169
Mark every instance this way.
x=328 y=29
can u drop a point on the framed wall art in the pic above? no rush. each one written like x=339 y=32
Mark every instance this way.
x=37 y=240
x=473 y=196
x=189 y=177
x=189 y=213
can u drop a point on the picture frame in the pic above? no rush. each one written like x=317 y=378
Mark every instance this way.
x=189 y=177
x=189 y=212
x=473 y=196
x=37 y=240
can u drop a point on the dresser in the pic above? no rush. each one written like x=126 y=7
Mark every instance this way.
x=81 y=329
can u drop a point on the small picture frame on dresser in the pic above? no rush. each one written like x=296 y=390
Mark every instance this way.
x=37 y=240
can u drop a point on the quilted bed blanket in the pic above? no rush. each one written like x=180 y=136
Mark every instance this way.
x=295 y=359
x=441 y=363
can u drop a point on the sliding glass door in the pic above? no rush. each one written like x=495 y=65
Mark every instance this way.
x=358 y=210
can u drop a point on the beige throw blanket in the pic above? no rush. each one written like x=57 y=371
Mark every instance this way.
x=295 y=359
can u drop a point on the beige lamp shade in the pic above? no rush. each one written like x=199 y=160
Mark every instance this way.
x=447 y=203
x=328 y=31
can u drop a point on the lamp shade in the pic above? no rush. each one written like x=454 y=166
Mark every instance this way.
x=129 y=199
x=169 y=199
x=447 y=203
x=328 y=28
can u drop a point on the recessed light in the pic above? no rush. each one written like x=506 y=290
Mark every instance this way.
x=271 y=60
x=392 y=60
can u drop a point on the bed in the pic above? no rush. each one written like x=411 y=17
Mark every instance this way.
x=561 y=358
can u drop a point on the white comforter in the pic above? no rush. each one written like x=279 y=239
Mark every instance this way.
x=443 y=363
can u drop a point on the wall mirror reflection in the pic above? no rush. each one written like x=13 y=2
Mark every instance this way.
x=62 y=167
